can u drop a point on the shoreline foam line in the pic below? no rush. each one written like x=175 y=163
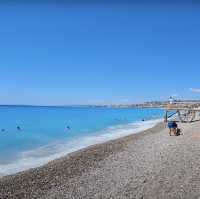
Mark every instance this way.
x=43 y=155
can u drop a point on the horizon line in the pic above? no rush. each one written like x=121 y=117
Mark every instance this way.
x=106 y=104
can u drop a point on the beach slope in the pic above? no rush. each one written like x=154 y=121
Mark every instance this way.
x=150 y=164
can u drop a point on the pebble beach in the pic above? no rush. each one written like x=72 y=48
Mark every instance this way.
x=150 y=164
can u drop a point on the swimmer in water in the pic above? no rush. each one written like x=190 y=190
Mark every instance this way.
x=18 y=128
x=68 y=127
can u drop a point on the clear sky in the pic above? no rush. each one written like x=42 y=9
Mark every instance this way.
x=98 y=53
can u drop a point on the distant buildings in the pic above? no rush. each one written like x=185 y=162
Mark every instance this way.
x=154 y=104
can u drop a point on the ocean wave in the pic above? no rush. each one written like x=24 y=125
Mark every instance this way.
x=45 y=154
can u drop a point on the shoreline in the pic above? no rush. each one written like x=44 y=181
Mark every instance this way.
x=24 y=163
x=149 y=165
x=83 y=160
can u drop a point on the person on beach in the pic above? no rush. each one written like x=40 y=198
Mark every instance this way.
x=173 y=127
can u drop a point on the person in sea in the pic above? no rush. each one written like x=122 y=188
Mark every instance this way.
x=67 y=128
x=18 y=128
x=173 y=127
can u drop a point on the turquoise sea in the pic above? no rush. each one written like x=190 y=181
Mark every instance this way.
x=47 y=133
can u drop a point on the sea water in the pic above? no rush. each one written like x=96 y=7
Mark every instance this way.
x=47 y=133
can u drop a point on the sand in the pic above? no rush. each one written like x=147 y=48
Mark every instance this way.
x=150 y=164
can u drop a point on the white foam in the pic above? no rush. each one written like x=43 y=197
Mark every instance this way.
x=43 y=155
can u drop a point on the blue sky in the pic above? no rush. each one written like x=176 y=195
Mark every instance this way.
x=98 y=53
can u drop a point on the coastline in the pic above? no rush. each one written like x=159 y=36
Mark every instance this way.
x=34 y=158
x=149 y=164
x=73 y=164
